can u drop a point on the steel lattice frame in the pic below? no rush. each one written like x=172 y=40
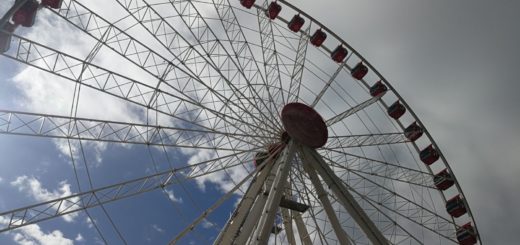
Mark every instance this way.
x=221 y=74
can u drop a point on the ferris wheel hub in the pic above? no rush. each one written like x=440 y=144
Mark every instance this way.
x=303 y=124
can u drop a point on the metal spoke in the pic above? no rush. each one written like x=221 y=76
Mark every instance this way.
x=242 y=49
x=88 y=199
x=349 y=141
x=299 y=65
x=168 y=72
x=208 y=211
x=270 y=61
x=396 y=203
x=236 y=221
x=327 y=85
x=214 y=49
x=53 y=126
x=179 y=46
x=98 y=78
x=373 y=167
x=352 y=110
x=266 y=221
x=287 y=216
x=394 y=227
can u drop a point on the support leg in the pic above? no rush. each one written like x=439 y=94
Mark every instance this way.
x=344 y=197
x=265 y=224
x=327 y=206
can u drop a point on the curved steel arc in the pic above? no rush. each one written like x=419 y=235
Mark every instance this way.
x=391 y=88
x=132 y=91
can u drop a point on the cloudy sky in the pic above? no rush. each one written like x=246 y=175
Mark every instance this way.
x=453 y=62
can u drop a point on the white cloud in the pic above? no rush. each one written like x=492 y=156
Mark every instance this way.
x=206 y=224
x=172 y=197
x=79 y=238
x=33 y=235
x=33 y=188
x=157 y=228
x=1 y=179
x=43 y=92
x=89 y=222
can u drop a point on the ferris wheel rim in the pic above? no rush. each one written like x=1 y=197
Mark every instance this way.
x=382 y=102
x=400 y=99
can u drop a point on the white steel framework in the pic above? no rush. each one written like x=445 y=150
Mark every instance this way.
x=204 y=84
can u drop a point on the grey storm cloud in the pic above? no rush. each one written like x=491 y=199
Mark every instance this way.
x=455 y=63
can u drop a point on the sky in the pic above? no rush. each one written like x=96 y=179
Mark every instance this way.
x=452 y=62
x=455 y=63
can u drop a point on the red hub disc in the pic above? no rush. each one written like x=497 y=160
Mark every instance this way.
x=304 y=125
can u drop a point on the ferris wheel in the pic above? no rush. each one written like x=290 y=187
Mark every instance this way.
x=311 y=143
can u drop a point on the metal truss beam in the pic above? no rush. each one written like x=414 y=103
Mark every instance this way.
x=213 y=207
x=327 y=85
x=305 y=238
x=254 y=217
x=53 y=126
x=287 y=224
x=387 y=199
x=180 y=46
x=361 y=140
x=349 y=141
x=299 y=64
x=123 y=44
x=98 y=78
x=172 y=78
x=242 y=49
x=271 y=64
x=373 y=167
x=219 y=55
x=352 y=110
x=69 y=204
